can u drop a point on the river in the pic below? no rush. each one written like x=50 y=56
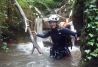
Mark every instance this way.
x=21 y=56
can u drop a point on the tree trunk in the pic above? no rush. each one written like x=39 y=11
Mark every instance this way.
x=78 y=15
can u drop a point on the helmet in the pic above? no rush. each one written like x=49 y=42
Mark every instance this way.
x=53 y=17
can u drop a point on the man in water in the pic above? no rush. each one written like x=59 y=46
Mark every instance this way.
x=59 y=48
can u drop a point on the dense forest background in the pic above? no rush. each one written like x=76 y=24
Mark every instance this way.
x=84 y=16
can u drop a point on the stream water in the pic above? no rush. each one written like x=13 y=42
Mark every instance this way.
x=21 y=56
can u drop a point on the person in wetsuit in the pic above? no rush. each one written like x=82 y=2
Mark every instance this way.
x=59 y=48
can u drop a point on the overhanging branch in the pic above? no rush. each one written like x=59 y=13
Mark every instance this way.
x=25 y=20
x=27 y=28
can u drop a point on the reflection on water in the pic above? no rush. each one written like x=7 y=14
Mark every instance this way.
x=21 y=57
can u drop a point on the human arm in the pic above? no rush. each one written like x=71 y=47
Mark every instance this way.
x=69 y=32
x=42 y=35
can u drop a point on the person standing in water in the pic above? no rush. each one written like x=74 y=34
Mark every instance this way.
x=59 y=48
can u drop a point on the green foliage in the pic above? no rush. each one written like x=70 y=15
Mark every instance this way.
x=10 y=21
x=5 y=46
x=42 y=5
x=23 y=3
x=91 y=30
x=2 y=10
x=8 y=25
x=53 y=3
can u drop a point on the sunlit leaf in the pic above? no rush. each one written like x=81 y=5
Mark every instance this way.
x=89 y=25
x=87 y=51
x=91 y=35
x=94 y=54
x=92 y=6
x=91 y=43
x=96 y=50
x=96 y=29
x=89 y=58
x=96 y=22
x=97 y=43
x=96 y=18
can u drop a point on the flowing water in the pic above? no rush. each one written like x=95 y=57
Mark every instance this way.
x=21 y=56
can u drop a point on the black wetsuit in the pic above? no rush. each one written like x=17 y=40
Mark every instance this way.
x=58 y=36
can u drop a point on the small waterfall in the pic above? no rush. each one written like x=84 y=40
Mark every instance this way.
x=39 y=27
x=74 y=48
x=74 y=30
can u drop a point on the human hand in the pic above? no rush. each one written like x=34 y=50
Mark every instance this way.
x=34 y=33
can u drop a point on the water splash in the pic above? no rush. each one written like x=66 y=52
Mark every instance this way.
x=25 y=47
